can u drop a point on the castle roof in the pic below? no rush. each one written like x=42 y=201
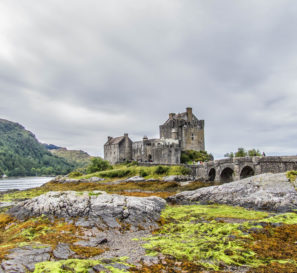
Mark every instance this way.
x=115 y=140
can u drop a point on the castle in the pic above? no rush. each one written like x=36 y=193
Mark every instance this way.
x=179 y=133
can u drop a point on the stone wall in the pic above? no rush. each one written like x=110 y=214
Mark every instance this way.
x=111 y=153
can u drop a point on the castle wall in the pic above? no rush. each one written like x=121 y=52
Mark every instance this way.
x=125 y=150
x=193 y=138
x=137 y=151
x=111 y=153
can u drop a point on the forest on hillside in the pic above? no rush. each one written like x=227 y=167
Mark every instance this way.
x=21 y=154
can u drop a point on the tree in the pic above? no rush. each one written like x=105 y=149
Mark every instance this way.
x=241 y=152
x=191 y=156
x=254 y=152
x=97 y=165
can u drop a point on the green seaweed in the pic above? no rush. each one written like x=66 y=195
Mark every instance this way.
x=289 y=218
x=191 y=233
x=75 y=265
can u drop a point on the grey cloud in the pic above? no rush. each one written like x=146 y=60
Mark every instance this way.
x=75 y=72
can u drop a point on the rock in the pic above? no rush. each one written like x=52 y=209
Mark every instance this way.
x=23 y=259
x=6 y=204
x=135 y=179
x=93 y=242
x=150 y=260
x=100 y=268
x=120 y=266
x=63 y=252
x=97 y=210
x=272 y=192
x=178 y=178
x=70 y=180
x=96 y=179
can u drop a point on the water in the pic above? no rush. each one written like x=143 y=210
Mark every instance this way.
x=22 y=183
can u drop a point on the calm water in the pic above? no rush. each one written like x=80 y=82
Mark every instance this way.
x=22 y=183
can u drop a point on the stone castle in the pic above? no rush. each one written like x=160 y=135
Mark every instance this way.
x=181 y=132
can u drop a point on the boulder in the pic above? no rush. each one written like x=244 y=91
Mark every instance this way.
x=99 y=208
x=272 y=192
x=135 y=179
x=96 y=179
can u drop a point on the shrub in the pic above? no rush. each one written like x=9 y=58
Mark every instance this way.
x=161 y=170
x=292 y=175
x=185 y=171
x=75 y=174
x=143 y=173
x=133 y=163
x=97 y=165
x=116 y=173
x=190 y=156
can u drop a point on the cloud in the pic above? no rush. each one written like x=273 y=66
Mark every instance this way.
x=75 y=72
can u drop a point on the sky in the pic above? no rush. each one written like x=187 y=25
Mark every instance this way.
x=74 y=72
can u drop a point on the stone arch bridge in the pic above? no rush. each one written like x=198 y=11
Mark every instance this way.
x=231 y=169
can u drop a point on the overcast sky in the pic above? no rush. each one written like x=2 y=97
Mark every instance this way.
x=74 y=72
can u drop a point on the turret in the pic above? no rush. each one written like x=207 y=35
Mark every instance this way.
x=189 y=114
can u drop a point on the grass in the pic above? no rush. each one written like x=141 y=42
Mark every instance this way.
x=125 y=171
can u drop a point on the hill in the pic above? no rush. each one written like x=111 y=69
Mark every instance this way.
x=21 y=154
x=76 y=157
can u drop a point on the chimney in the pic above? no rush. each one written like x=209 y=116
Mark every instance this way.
x=189 y=114
x=109 y=138
x=171 y=115
x=126 y=135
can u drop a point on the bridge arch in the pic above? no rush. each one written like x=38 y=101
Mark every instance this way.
x=226 y=175
x=212 y=174
x=247 y=171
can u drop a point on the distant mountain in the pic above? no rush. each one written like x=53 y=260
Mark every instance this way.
x=51 y=146
x=76 y=157
x=21 y=154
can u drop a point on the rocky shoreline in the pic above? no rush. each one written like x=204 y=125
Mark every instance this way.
x=101 y=228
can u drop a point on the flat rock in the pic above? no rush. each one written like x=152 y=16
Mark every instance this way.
x=23 y=259
x=102 y=209
x=96 y=179
x=63 y=252
x=93 y=242
x=272 y=192
x=135 y=179
x=178 y=178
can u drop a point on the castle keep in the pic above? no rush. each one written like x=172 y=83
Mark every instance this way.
x=179 y=133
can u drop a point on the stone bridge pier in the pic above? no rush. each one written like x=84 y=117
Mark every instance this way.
x=232 y=169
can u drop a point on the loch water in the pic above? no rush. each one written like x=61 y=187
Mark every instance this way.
x=22 y=183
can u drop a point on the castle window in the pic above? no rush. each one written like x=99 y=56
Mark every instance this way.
x=192 y=137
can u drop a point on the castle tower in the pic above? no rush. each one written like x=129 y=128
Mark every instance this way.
x=185 y=127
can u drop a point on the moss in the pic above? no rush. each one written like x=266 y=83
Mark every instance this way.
x=74 y=265
x=211 y=212
x=190 y=233
x=285 y=218
x=36 y=232
x=86 y=251
x=214 y=236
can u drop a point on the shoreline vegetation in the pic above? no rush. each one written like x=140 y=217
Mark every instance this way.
x=188 y=238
